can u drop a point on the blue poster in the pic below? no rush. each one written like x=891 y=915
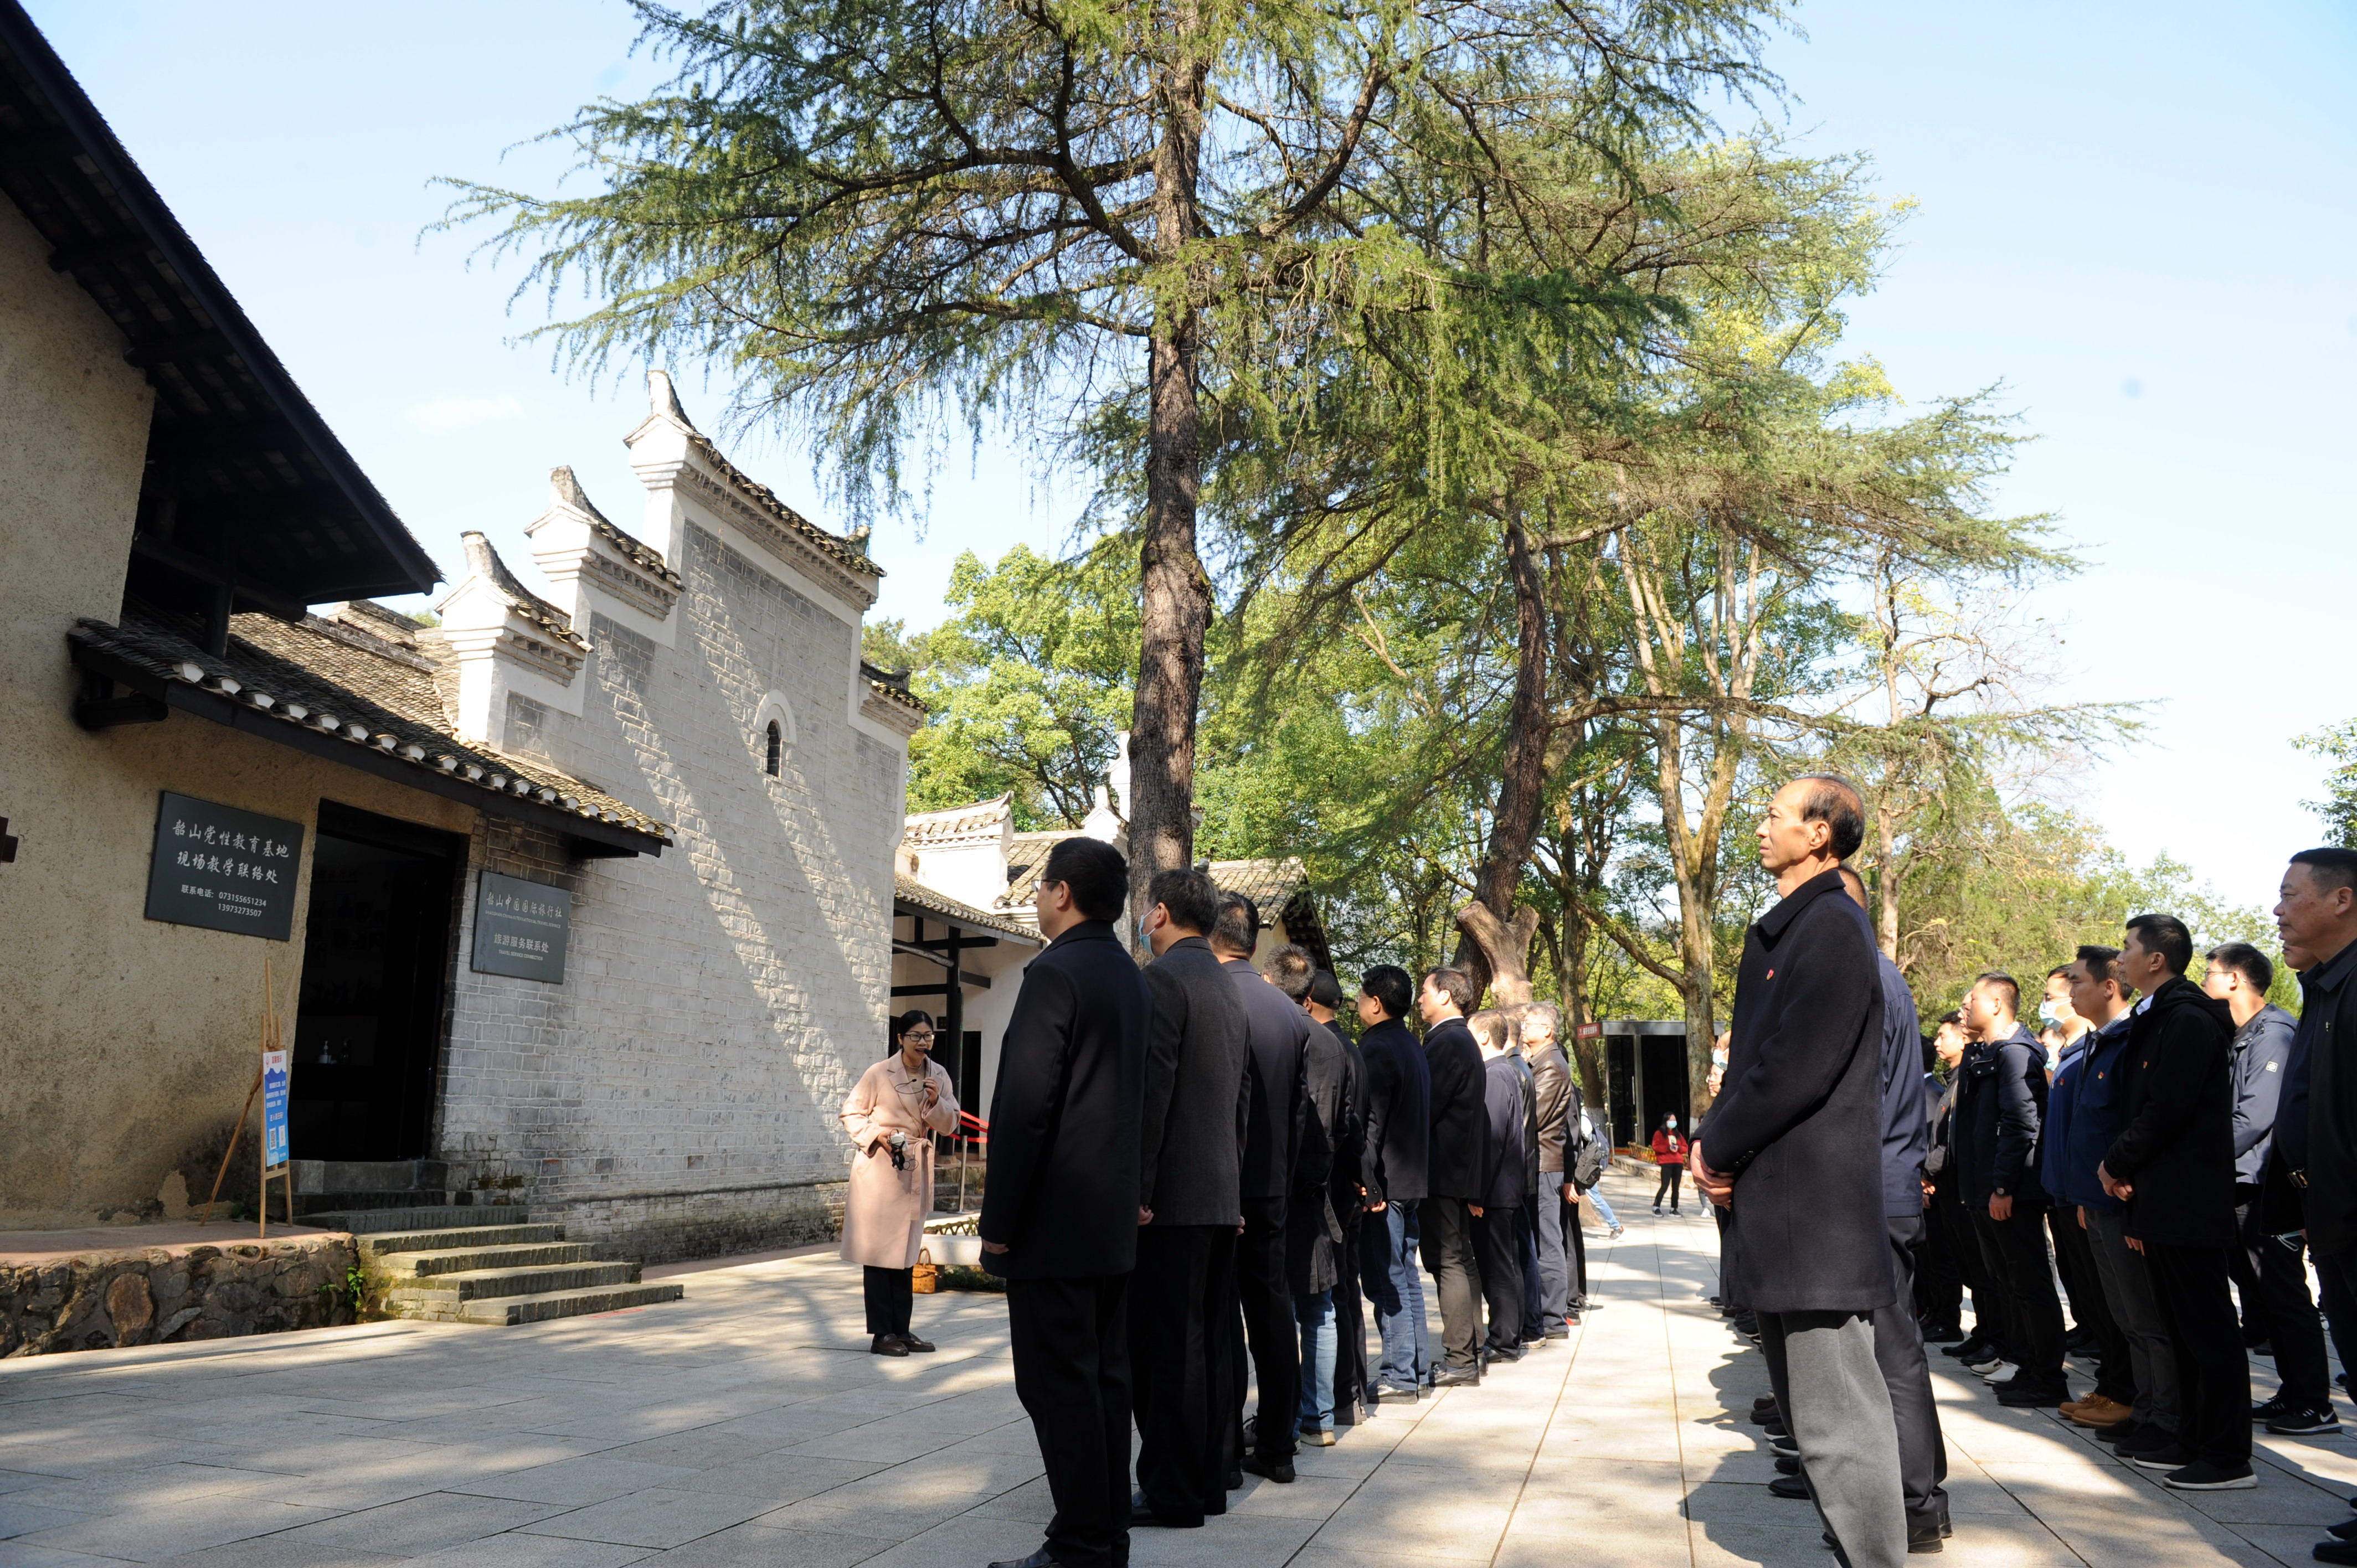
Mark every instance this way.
x=273 y=1109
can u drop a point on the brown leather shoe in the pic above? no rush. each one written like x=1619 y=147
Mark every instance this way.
x=2097 y=1411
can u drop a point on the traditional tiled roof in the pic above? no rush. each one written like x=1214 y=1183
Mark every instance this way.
x=1024 y=856
x=908 y=891
x=954 y=822
x=324 y=678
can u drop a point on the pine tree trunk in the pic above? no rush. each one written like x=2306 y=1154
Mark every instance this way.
x=1176 y=595
x=1494 y=940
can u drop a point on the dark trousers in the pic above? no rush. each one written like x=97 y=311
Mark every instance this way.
x=2016 y=1250
x=1071 y=1339
x=890 y=1294
x=1526 y=1243
x=1899 y=1351
x=2276 y=1307
x=1179 y=1356
x=1575 y=1231
x=1498 y=1245
x=1448 y=1258
x=1989 y=1325
x=1670 y=1176
x=2074 y=1257
x=1730 y=1302
x=1349 y=1324
x=2213 y=1370
x=1267 y=1299
x=2336 y=1292
x=1939 y=1273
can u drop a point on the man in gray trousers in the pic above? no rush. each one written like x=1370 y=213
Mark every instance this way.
x=1794 y=1146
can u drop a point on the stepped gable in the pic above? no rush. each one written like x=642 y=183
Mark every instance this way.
x=839 y=561
x=645 y=558
x=376 y=693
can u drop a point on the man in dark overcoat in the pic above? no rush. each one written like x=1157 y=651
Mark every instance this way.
x=1277 y=1069
x=2173 y=1165
x=1795 y=1144
x=1059 y=1214
x=1184 y=1293
x=1460 y=1169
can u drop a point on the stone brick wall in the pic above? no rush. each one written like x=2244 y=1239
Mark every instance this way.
x=171 y=1294
x=677 y=1096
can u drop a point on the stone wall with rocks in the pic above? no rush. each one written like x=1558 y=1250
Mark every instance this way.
x=154 y=1295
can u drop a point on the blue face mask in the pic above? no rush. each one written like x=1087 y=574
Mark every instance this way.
x=2050 y=1013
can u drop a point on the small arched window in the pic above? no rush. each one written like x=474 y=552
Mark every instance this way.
x=776 y=748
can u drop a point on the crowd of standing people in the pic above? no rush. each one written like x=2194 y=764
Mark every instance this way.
x=1202 y=1186
x=1205 y=1193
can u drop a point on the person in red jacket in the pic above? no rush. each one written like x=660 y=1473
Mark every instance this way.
x=1669 y=1153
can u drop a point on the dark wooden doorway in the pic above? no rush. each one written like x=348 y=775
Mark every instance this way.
x=376 y=968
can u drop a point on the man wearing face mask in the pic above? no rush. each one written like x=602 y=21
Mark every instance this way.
x=2057 y=1013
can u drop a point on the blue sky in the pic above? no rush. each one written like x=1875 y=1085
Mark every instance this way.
x=2138 y=218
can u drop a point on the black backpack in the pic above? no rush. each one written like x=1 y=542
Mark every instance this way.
x=1589 y=1159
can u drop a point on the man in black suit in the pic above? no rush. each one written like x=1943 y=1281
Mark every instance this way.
x=1794 y=1144
x=1395 y=1174
x=2173 y=1165
x=1459 y=1163
x=1184 y=1293
x=1059 y=1214
x=1276 y=1038
x=1555 y=1223
x=1348 y=1195
x=1496 y=1218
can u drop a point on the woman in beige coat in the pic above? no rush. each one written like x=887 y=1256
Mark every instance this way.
x=892 y=1113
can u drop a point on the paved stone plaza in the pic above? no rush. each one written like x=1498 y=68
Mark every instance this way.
x=748 y=1425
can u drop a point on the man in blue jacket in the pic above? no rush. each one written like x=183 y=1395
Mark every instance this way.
x=2071 y=1184
x=2003 y=1109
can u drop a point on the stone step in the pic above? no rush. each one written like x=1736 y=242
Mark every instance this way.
x=535 y=1253
x=376 y=1221
x=509 y=1310
x=450 y=1290
x=309 y=1203
x=378 y=1244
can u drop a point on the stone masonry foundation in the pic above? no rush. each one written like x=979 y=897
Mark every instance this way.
x=153 y=1295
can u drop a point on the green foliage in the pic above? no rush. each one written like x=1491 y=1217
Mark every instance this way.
x=2338 y=745
x=1030 y=682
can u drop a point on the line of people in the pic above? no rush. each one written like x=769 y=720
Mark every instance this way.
x=2187 y=1144
x=1201 y=1184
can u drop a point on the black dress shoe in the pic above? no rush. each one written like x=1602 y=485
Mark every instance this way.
x=2346 y=1529
x=2335 y=1552
x=1235 y=1479
x=1039 y=1559
x=1763 y=1404
x=1143 y=1517
x=1786 y=1465
x=1563 y=1333
x=1789 y=1486
x=923 y=1347
x=887 y=1344
x=1926 y=1536
x=1457 y=1378
x=1386 y=1392
x=1277 y=1470
x=1501 y=1353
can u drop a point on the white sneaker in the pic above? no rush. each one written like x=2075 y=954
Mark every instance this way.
x=1996 y=1370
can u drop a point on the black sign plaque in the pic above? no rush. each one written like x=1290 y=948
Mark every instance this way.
x=520 y=926
x=224 y=869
